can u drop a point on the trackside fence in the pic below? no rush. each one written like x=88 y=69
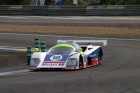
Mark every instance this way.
x=105 y=10
x=132 y=10
x=96 y=10
x=66 y=10
x=23 y=10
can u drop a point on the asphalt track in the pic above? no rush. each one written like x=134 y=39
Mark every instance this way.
x=118 y=72
x=73 y=19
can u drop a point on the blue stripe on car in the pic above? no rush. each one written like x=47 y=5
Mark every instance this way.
x=48 y=56
x=94 y=53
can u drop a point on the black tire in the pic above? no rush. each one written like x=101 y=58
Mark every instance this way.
x=99 y=57
x=80 y=63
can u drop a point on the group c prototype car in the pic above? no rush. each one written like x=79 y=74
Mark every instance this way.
x=69 y=55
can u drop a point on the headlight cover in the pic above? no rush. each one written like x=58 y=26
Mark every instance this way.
x=34 y=61
x=72 y=62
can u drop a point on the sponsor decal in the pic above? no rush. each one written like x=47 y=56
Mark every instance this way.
x=94 y=55
x=53 y=64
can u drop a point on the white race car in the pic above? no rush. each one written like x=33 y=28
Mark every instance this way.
x=68 y=55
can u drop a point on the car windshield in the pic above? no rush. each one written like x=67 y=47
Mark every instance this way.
x=61 y=50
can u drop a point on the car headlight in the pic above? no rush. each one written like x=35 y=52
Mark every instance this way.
x=34 y=61
x=72 y=62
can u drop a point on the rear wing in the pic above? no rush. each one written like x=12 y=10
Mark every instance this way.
x=104 y=42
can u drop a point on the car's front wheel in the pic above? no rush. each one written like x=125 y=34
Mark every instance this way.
x=80 y=62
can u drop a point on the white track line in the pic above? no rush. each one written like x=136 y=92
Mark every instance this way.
x=74 y=17
x=18 y=72
x=18 y=49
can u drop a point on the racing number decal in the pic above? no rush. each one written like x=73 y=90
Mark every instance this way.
x=56 y=57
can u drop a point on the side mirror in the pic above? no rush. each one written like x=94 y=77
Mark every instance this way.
x=36 y=49
x=80 y=49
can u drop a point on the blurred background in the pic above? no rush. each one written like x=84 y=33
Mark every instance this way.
x=69 y=2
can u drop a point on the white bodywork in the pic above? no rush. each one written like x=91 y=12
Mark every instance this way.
x=38 y=58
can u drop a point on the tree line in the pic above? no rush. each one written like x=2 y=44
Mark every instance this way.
x=122 y=2
x=15 y=2
x=80 y=2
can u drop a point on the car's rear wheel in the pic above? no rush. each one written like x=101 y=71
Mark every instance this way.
x=99 y=56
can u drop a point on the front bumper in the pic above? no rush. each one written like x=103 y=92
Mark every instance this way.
x=49 y=69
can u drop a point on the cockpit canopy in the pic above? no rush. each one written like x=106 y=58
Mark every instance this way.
x=62 y=49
